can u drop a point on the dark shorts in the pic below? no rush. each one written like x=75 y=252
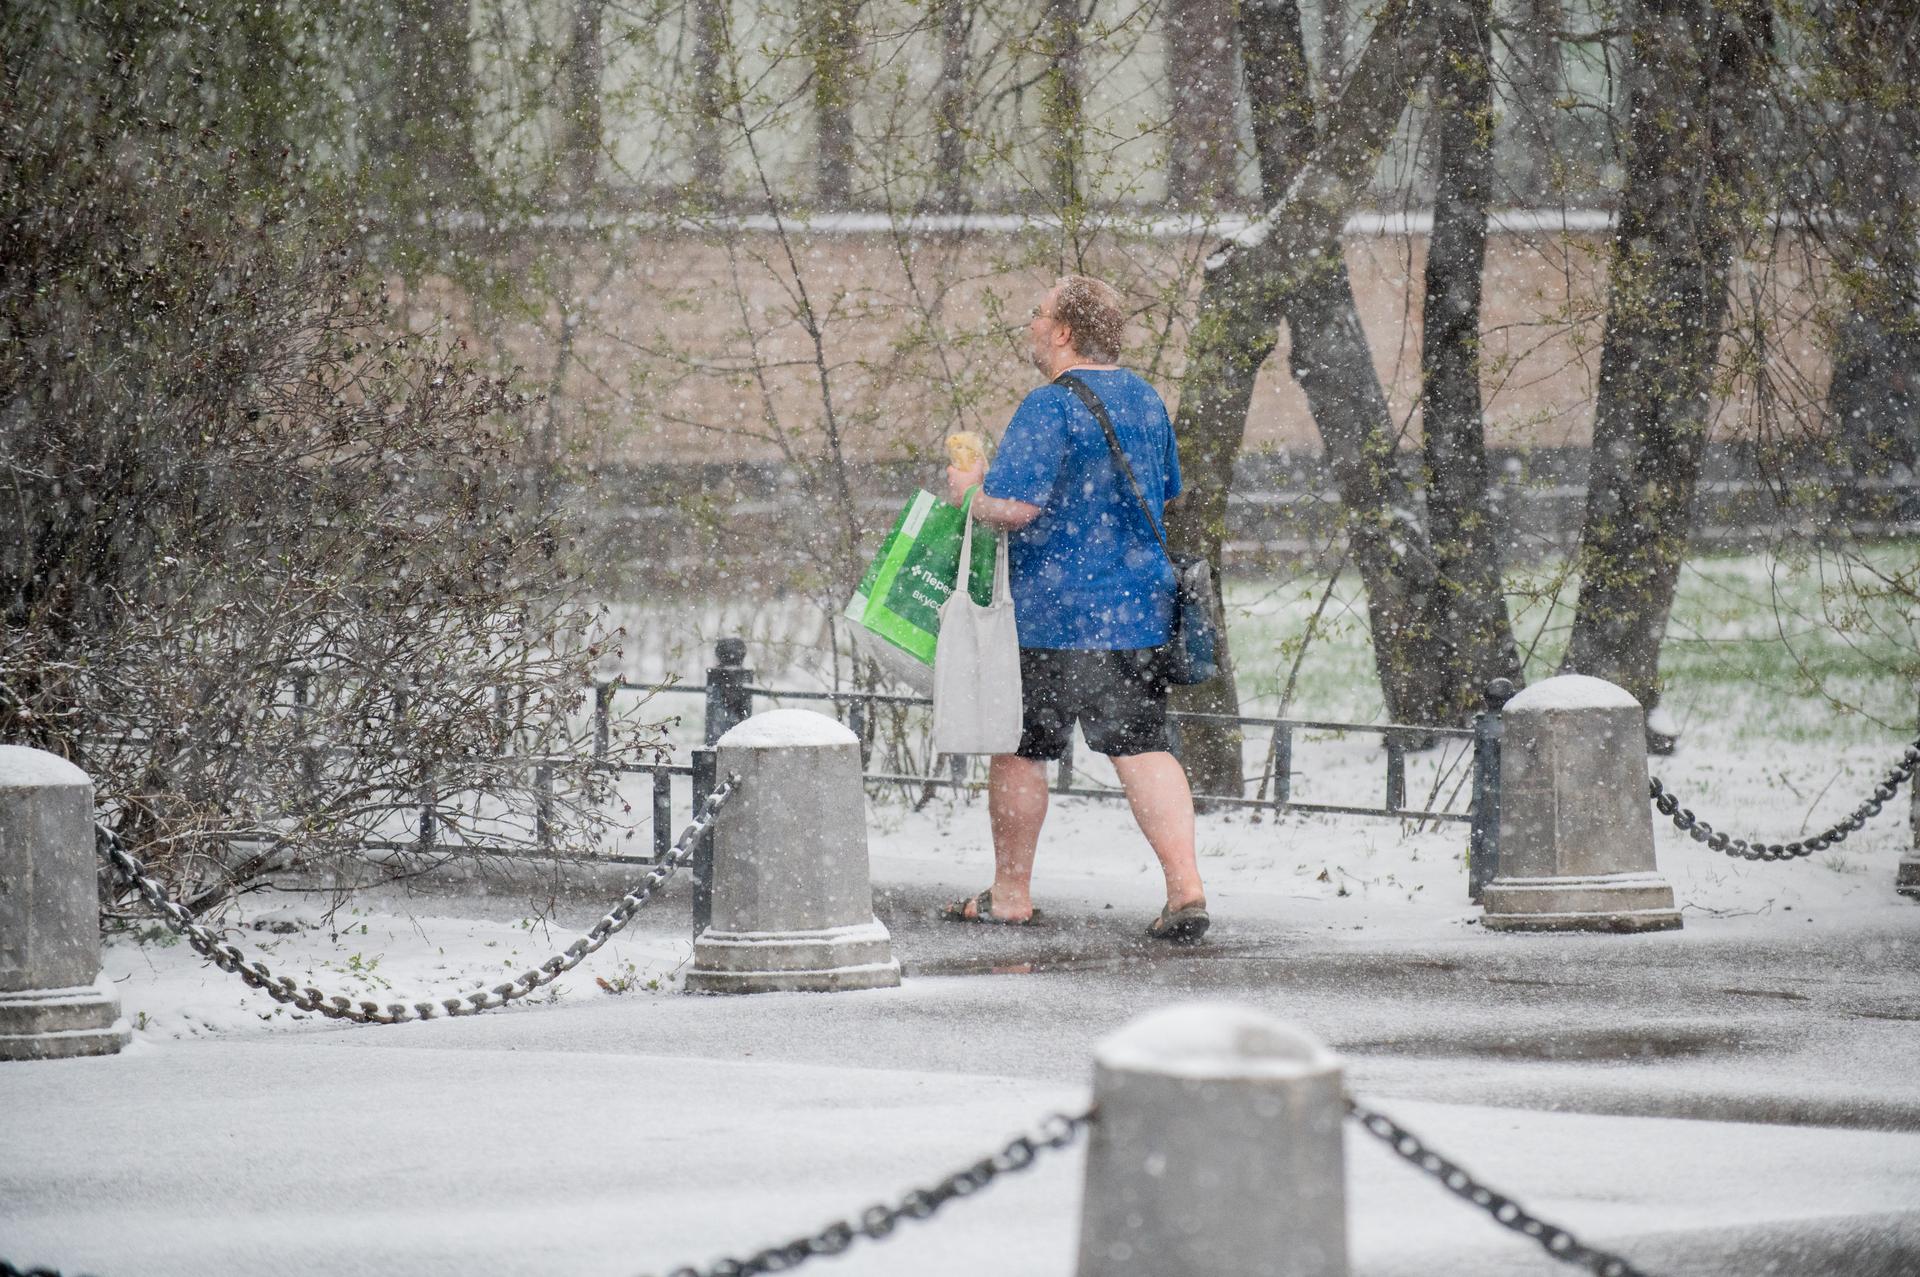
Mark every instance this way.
x=1118 y=698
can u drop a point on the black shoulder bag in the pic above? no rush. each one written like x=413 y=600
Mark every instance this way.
x=1189 y=655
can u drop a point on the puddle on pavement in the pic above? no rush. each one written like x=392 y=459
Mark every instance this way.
x=1780 y=994
x=1068 y=961
x=1585 y=1045
x=1909 y=1014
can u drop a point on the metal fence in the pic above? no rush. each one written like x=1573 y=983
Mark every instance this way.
x=729 y=696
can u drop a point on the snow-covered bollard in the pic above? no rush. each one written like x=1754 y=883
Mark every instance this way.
x=1216 y=1149
x=52 y=1004
x=1576 y=826
x=792 y=900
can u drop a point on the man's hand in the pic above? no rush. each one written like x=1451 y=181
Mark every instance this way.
x=995 y=512
x=958 y=481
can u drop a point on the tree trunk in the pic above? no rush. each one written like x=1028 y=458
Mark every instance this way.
x=425 y=135
x=1333 y=46
x=1063 y=111
x=581 y=131
x=1201 y=147
x=1279 y=92
x=950 y=107
x=1534 y=79
x=1694 y=75
x=1475 y=634
x=1290 y=264
x=833 y=46
x=1862 y=149
x=709 y=98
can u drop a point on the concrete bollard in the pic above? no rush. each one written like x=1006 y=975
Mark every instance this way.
x=1217 y=1149
x=52 y=1005
x=1576 y=827
x=792 y=903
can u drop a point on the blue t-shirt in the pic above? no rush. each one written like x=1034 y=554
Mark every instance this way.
x=1089 y=573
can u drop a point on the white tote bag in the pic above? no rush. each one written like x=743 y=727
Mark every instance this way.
x=976 y=664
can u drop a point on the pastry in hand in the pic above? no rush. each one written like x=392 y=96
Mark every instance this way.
x=967 y=450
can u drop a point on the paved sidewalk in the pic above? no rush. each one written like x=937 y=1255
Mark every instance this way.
x=628 y=1135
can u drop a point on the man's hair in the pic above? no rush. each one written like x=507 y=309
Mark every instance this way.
x=1092 y=312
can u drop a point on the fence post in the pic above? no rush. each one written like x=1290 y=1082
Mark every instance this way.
x=1217 y=1149
x=1483 y=840
x=857 y=719
x=543 y=807
x=52 y=1002
x=700 y=866
x=662 y=812
x=302 y=712
x=729 y=703
x=1396 y=771
x=603 y=690
x=1906 y=879
x=792 y=896
x=1282 y=764
x=402 y=708
x=427 y=832
x=502 y=718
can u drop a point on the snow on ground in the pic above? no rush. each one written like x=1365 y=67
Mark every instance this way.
x=613 y=1127
x=618 y=1128
x=1327 y=873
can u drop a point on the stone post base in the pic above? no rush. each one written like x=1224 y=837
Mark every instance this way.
x=1600 y=902
x=1906 y=880
x=841 y=958
x=58 y=1024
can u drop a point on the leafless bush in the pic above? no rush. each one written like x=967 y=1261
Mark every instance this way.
x=262 y=569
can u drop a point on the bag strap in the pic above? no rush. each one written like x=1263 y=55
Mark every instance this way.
x=1099 y=411
x=1002 y=577
x=961 y=582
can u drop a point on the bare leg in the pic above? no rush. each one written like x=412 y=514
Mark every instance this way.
x=1017 y=807
x=1162 y=804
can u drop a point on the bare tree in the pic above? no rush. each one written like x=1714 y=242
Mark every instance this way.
x=581 y=140
x=424 y=139
x=1532 y=35
x=261 y=569
x=1290 y=265
x=833 y=36
x=1858 y=121
x=1474 y=633
x=1202 y=129
x=951 y=110
x=1063 y=114
x=1696 y=74
x=710 y=99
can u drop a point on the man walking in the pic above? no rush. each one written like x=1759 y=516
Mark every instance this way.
x=1093 y=596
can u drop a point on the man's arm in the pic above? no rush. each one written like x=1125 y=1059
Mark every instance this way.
x=995 y=512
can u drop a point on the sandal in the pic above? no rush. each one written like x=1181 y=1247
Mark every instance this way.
x=983 y=912
x=1180 y=926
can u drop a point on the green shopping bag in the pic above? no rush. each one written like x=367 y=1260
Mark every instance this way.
x=899 y=598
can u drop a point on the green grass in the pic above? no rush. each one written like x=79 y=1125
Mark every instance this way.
x=1807 y=649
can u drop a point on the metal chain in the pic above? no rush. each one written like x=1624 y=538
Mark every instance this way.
x=284 y=989
x=1555 y=1240
x=878 y=1221
x=1702 y=832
